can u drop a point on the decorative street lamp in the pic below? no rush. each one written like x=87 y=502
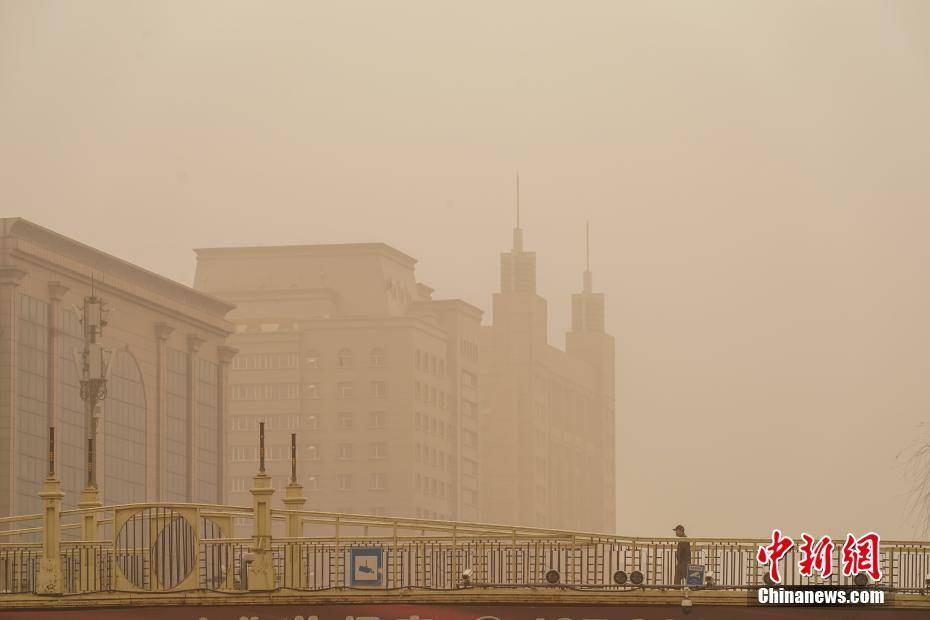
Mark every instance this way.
x=93 y=364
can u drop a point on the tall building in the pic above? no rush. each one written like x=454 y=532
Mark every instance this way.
x=160 y=433
x=547 y=419
x=341 y=345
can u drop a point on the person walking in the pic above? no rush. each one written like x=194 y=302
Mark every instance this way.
x=682 y=556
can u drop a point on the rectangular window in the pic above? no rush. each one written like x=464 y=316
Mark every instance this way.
x=377 y=419
x=344 y=482
x=470 y=439
x=379 y=450
x=344 y=451
x=312 y=390
x=313 y=453
x=241 y=454
x=345 y=420
x=378 y=389
x=345 y=389
x=377 y=482
x=469 y=379
x=312 y=483
x=313 y=422
x=469 y=467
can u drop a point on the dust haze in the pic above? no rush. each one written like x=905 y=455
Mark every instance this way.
x=755 y=174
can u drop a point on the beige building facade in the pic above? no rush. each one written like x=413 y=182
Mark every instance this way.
x=342 y=346
x=547 y=415
x=161 y=426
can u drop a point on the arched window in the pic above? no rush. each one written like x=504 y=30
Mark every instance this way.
x=344 y=358
x=377 y=357
x=124 y=433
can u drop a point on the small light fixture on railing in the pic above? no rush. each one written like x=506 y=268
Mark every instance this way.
x=553 y=577
x=466 y=577
x=709 y=580
x=636 y=578
x=620 y=577
x=861 y=580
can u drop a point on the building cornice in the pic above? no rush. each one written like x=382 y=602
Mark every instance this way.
x=74 y=260
x=318 y=250
x=182 y=303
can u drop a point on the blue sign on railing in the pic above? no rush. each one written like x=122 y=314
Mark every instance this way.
x=695 y=575
x=365 y=567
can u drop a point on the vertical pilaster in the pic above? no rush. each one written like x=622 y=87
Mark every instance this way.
x=56 y=292
x=194 y=343
x=10 y=278
x=225 y=357
x=160 y=422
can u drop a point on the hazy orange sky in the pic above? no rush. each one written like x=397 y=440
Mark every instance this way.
x=757 y=175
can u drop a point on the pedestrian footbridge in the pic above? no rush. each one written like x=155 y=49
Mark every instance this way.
x=216 y=561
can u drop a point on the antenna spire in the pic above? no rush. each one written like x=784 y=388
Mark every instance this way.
x=518 y=200
x=586 y=278
x=587 y=245
x=518 y=232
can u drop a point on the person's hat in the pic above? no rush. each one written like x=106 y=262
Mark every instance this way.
x=678 y=527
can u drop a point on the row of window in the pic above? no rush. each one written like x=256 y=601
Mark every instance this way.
x=346 y=389
x=469 y=349
x=311 y=452
x=428 y=363
x=311 y=359
x=272 y=423
x=291 y=391
x=265 y=361
x=429 y=395
x=432 y=457
x=430 y=425
x=431 y=487
x=377 y=481
x=424 y=513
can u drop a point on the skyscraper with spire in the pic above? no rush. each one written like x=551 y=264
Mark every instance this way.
x=547 y=431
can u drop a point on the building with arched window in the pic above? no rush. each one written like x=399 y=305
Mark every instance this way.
x=160 y=435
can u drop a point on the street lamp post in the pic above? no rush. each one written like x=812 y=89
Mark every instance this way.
x=93 y=364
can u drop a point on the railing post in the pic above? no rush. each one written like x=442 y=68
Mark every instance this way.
x=50 y=579
x=261 y=568
x=294 y=572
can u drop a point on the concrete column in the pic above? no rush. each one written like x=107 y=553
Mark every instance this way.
x=261 y=569
x=295 y=570
x=162 y=332
x=194 y=343
x=225 y=355
x=10 y=277
x=49 y=578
